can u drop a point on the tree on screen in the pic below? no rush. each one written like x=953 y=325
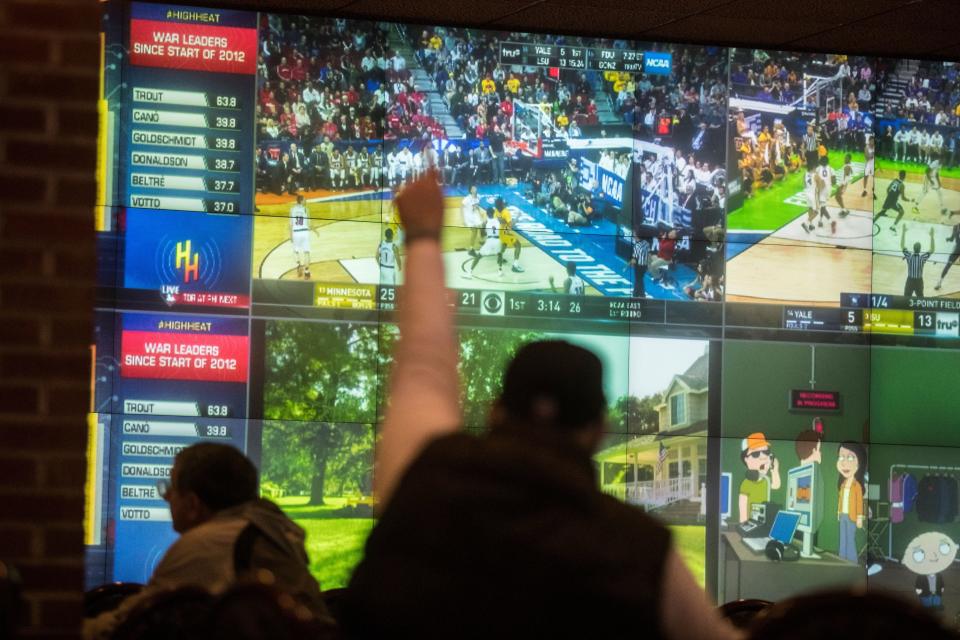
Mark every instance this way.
x=320 y=395
x=629 y=414
x=484 y=354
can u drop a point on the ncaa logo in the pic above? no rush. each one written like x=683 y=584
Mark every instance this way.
x=657 y=63
x=948 y=324
x=492 y=303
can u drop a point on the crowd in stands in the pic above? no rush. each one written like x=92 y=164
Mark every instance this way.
x=778 y=76
x=930 y=97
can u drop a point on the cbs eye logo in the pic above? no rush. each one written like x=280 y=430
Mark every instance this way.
x=492 y=303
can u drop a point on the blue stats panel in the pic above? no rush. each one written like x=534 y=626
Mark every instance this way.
x=194 y=258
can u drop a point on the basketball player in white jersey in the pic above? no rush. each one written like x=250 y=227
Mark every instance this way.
x=869 y=165
x=573 y=285
x=491 y=244
x=388 y=258
x=404 y=164
x=810 y=179
x=472 y=216
x=392 y=165
x=300 y=237
x=376 y=166
x=931 y=182
x=846 y=175
x=824 y=186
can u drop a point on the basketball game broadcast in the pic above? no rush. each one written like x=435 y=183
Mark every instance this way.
x=555 y=173
x=757 y=245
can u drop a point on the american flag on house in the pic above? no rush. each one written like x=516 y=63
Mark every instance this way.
x=661 y=456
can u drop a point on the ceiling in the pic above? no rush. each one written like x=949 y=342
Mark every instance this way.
x=901 y=28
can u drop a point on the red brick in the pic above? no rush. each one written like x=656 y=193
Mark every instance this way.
x=71 y=332
x=25 y=49
x=77 y=191
x=51 y=576
x=61 y=473
x=61 y=613
x=67 y=401
x=22 y=332
x=44 y=366
x=45 y=297
x=18 y=471
x=53 y=86
x=63 y=542
x=48 y=438
x=17 y=541
x=74 y=264
x=79 y=53
x=18 y=398
x=77 y=122
x=60 y=16
x=50 y=229
x=22 y=188
x=32 y=507
x=32 y=119
x=52 y=155
x=20 y=261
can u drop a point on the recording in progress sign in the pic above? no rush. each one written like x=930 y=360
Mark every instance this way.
x=817 y=401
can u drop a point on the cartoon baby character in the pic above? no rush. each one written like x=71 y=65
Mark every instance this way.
x=929 y=555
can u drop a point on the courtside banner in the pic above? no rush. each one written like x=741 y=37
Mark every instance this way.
x=181 y=348
x=193 y=39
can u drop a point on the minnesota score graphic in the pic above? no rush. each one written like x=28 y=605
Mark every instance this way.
x=189 y=258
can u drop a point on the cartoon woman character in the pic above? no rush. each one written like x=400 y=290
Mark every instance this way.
x=851 y=463
x=929 y=555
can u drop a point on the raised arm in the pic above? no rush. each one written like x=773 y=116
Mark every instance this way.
x=933 y=243
x=903 y=238
x=424 y=394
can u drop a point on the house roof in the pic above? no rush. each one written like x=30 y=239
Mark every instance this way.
x=697 y=375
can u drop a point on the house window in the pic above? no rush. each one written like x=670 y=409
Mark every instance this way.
x=674 y=470
x=678 y=409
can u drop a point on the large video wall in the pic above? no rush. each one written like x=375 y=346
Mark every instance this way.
x=758 y=244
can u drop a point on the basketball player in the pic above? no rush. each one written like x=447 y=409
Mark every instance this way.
x=810 y=190
x=955 y=238
x=491 y=244
x=338 y=173
x=300 y=237
x=900 y=140
x=846 y=175
x=869 y=166
x=388 y=258
x=825 y=182
x=350 y=165
x=915 y=264
x=472 y=216
x=394 y=221
x=931 y=182
x=404 y=164
x=573 y=284
x=925 y=146
x=895 y=191
x=508 y=238
x=393 y=164
x=376 y=166
x=362 y=174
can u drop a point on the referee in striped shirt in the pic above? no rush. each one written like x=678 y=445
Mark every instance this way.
x=641 y=254
x=915 y=263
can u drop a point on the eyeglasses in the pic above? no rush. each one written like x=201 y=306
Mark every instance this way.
x=757 y=454
x=163 y=488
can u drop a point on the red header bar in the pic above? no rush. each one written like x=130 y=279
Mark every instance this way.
x=193 y=47
x=183 y=356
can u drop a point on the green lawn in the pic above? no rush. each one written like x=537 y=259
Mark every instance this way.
x=767 y=211
x=334 y=543
x=691 y=542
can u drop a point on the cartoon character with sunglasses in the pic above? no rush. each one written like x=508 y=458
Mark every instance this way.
x=763 y=473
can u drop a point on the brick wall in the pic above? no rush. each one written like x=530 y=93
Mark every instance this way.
x=49 y=56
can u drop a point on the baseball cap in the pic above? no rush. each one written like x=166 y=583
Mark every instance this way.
x=754 y=441
x=554 y=377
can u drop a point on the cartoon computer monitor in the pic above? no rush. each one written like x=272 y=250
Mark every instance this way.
x=725 y=480
x=802 y=498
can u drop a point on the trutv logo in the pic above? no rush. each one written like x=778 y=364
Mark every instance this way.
x=188 y=261
x=657 y=63
x=948 y=324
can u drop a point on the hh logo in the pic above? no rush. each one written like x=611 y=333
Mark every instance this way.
x=189 y=262
x=657 y=63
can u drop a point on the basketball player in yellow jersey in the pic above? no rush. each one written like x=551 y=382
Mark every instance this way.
x=508 y=237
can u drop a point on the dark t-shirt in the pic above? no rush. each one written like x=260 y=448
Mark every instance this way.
x=506 y=536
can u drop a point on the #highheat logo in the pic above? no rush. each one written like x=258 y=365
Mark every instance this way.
x=188 y=263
